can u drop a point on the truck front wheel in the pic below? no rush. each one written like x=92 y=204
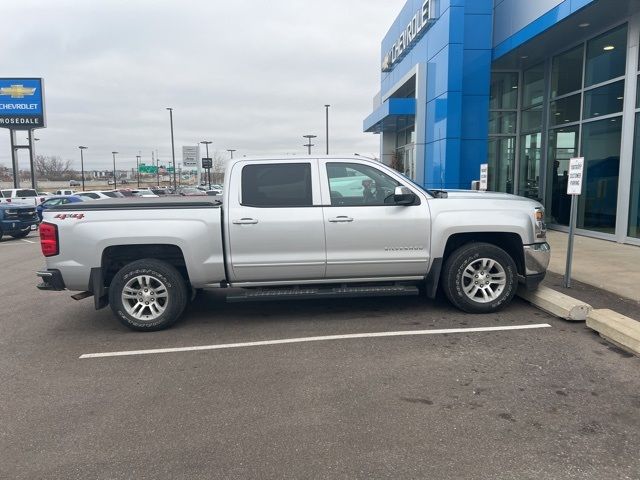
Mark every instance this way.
x=479 y=278
x=148 y=295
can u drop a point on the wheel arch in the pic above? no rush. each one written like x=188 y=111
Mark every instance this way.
x=117 y=256
x=508 y=241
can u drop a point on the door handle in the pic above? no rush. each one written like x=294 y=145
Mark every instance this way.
x=341 y=219
x=245 y=221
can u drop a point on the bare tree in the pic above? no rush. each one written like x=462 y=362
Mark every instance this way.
x=219 y=161
x=53 y=168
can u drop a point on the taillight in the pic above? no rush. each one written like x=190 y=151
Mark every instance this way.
x=49 y=239
x=42 y=199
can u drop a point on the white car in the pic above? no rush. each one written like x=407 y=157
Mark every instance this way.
x=65 y=192
x=144 y=193
x=101 y=194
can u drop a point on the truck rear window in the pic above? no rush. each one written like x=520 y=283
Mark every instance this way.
x=26 y=193
x=277 y=185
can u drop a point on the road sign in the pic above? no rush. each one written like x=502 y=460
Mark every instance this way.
x=574 y=188
x=21 y=103
x=190 y=156
x=576 y=170
x=148 y=168
x=207 y=163
x=484 y=176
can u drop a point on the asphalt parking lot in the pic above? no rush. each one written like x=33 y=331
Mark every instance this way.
x=546 y=402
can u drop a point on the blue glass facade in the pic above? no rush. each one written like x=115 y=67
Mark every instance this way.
x=450 y=68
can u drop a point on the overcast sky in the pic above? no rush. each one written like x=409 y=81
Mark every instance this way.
x=247 y=74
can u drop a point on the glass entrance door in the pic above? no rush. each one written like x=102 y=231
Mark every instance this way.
x=406 y=160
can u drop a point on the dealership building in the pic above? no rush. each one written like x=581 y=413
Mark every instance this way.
x=523 y=86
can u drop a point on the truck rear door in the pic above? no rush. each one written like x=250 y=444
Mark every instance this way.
x=274 y=222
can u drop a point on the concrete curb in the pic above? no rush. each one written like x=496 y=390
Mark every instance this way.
x=556 y=303
x=616 y=328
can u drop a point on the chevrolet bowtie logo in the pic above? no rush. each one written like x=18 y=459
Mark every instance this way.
x=17 y=91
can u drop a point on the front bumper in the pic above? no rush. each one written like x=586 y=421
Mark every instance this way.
x=51 y=280
x=16 y=226
x=536 y=261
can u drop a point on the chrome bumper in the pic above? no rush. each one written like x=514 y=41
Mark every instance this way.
x=536 y=258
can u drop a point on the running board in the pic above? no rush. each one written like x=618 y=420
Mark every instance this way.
x=303 y=293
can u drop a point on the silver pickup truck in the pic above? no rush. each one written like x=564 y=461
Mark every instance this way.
x=295 y=228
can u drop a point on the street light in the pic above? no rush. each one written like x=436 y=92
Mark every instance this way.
x=138 y=169
x=326 y=123
x=231 y=150
x=82 y=164
x=173 y=150
x=206 y=144
x=115 y=181
x=309 y=144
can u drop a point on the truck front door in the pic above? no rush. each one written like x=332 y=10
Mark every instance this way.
x=368 y=235
x=274 y=222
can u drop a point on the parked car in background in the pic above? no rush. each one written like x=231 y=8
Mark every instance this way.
x=65 y=192
x=61 y=200
x=17 y=220
x=143 y=192
x=101 y=194
x=44 y=194
x=25 y=196
x=74 y=183
x=191 y=192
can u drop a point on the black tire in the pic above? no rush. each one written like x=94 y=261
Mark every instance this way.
x=162 y=272
x=453 y=281
x=22 y=234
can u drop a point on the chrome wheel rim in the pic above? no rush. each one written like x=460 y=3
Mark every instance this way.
x=483 y=280
x=145 y=297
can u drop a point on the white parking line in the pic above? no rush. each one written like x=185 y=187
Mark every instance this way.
x=28 y=241
x=312 y=339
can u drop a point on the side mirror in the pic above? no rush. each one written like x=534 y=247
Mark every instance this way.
x=403 y=196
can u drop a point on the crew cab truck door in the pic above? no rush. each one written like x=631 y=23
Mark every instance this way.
x=368 y=235
x=274 y=221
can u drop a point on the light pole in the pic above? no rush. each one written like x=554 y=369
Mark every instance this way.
x=82 y=164
x=115 y=181
x=206 y=144
x=138 y=169
x=326 y=123
x=309 y=144
x=231 y=150
x=173 y=150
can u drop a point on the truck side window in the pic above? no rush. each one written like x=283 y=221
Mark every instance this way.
x=353 y=184
x=277 y=185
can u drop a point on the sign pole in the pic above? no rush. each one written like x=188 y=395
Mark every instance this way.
x=574 y=188
x=32 y=161
x=572 y=227
x=14 y=159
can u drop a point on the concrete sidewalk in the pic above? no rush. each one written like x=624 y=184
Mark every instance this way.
x=607 y=265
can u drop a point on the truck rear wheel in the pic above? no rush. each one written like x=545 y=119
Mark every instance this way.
x=479 y=278
x=148 y=295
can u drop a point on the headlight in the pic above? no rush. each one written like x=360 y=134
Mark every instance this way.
x=541 y=227
x=11 y=213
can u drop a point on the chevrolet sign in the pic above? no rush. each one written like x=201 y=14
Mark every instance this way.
x=21 y=103
x=417 y=27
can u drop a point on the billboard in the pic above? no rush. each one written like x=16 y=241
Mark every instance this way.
x=22 y=103
x=190 y=157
